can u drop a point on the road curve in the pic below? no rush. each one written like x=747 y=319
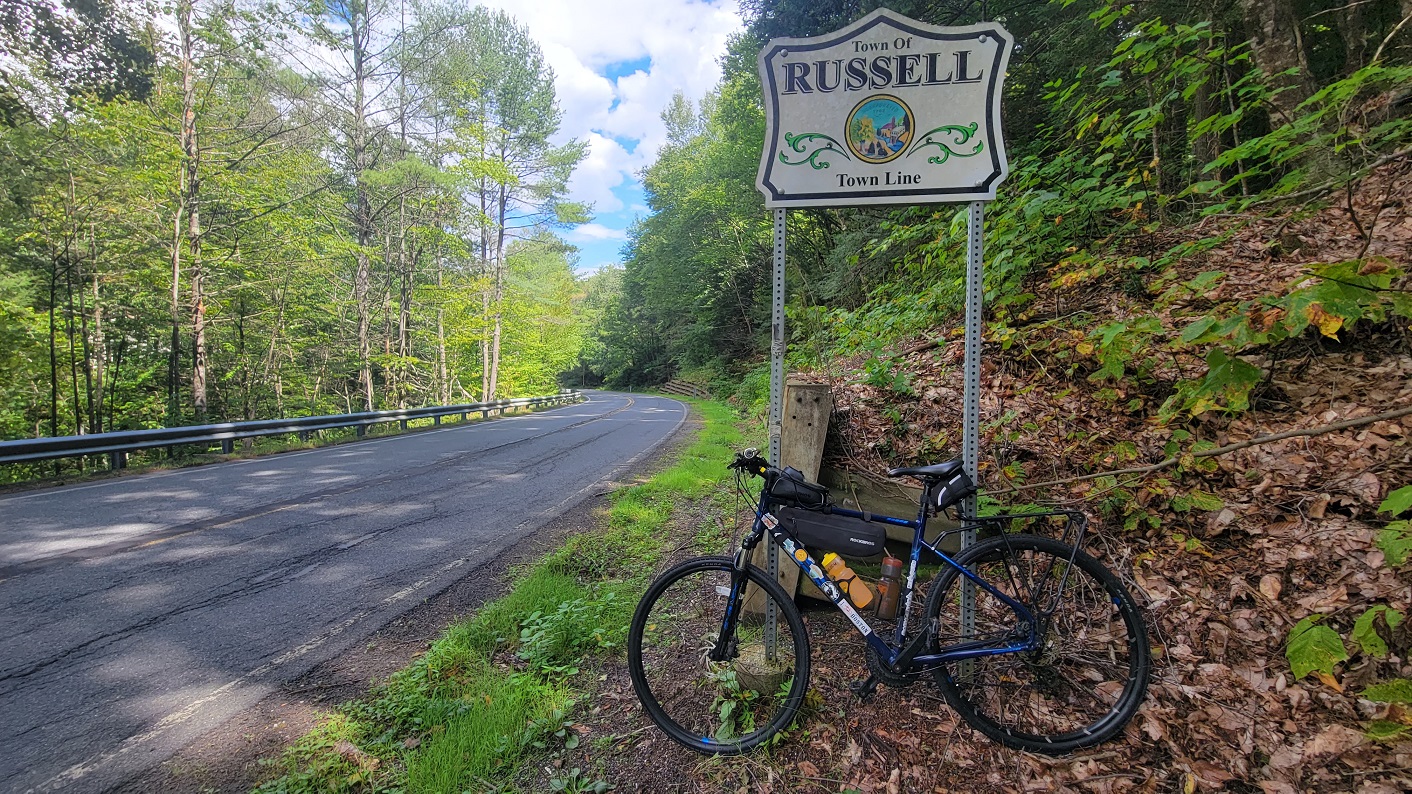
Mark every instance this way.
x=138 y=613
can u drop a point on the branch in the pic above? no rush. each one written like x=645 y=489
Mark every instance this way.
x=1207 y=453
x=1327 y=186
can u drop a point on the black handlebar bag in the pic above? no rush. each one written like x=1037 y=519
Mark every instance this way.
x=790 y=489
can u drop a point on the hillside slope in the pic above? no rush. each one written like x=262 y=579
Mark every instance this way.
x=1232 y=551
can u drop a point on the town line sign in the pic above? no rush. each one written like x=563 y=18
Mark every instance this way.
x=888 y=110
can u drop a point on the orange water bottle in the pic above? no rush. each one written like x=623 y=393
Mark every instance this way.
x=856 y=589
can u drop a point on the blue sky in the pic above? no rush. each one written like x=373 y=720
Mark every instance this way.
x=617 y=64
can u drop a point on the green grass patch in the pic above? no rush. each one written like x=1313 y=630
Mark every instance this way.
x=494 y=688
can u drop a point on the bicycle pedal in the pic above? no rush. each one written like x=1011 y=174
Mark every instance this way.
x=864 y=689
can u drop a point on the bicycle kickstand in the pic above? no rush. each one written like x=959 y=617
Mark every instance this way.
x=864 y=689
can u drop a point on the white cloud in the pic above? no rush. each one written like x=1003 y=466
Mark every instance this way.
x=595 y=231
x=581 y=39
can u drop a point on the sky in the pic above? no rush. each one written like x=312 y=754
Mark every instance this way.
x=616 y=65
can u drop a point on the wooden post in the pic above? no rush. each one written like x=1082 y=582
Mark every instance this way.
x=804 y=427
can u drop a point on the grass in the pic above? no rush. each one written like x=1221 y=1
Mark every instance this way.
x=493 y=689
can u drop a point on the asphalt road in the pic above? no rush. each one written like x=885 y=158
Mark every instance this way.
x=138 y=613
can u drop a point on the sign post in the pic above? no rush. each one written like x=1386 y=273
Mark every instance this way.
x=887 y=110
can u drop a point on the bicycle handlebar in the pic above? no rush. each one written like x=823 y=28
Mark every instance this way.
x=749 y=461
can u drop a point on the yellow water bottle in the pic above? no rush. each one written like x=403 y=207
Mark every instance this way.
x=856 y=589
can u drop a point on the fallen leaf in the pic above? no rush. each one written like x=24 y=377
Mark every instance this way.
x=1333 y=740
x=1318 y=506
x=1270 y=586
x=808 y=769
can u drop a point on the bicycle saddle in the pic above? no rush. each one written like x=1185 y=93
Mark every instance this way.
x=935 y=471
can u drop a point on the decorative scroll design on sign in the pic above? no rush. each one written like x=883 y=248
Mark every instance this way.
x=812 y=145
x=960 y=137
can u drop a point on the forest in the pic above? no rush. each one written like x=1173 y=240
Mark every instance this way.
x=1125 y=123
x=226 y=210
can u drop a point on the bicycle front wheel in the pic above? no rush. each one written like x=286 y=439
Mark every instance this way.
x=1086 y=678
x=727 y=706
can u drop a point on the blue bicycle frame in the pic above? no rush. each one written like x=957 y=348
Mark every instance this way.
x=890 y=653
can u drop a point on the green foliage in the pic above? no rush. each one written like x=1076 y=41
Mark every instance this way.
x=1397 y=502
x=94 y=217
x=553 y=642
x=1371 y=625
x=1312 y=647
x=1196 y=500
x=557 y=725
x=576 y=782
x=1387 y=731
x=1119 y=343
x=1395 y=539
x=1398 y=690
x=1226 y=386
x=733 y=706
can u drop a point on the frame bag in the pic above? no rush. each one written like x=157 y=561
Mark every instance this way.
x=849 y=537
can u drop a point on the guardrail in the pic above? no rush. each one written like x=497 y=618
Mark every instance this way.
x=116 y=445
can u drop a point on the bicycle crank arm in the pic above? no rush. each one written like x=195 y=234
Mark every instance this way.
x=903 y=663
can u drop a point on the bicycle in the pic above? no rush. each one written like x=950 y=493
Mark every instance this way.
x=1054 y=658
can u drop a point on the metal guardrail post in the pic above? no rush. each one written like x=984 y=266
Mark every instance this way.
x=227 y=446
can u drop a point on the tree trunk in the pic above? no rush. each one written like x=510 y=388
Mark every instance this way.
x=1278 y=45
x=174 y=359
x=1207 y=146
x=191 y=190
x=498 y=295
x=362 y=220
x=485 y=292
x=53 y=348
x=1352 y=30
x=90 y=403
x=442 y=382
x=76 y=405
x=100 y=358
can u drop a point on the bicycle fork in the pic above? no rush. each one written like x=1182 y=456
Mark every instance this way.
x=724 y=648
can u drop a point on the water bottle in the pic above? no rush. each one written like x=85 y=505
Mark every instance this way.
x=889 y=587
x=856 y=589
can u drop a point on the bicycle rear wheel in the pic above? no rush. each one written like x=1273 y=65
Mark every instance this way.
x=1086 y=679
x=721 y=707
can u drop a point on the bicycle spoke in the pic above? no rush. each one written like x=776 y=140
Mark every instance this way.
x=1088 y=670
x=715 y=706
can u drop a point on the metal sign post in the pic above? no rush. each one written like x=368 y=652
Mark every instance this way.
x=971 y=399
x=887 y=110
x=772 y=556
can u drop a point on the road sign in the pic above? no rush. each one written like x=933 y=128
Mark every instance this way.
x=888 y=110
